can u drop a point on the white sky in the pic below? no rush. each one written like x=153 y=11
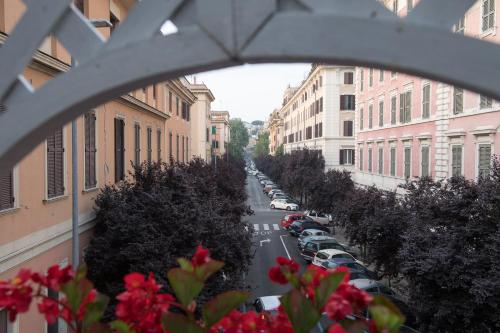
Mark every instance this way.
x=251 y=92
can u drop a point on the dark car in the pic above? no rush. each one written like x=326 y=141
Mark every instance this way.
x=312 y=247
x=351 y=264
x=298 y=226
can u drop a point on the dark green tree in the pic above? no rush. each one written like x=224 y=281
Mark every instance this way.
x=239 y=138
x=262 y=145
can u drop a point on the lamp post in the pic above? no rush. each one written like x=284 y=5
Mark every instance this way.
x=75 y=237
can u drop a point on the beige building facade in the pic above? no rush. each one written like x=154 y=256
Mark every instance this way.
x=276 y=133
x=220 y=131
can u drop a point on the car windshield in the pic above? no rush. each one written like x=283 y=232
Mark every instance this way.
x=335 y=246
x=322 y=255
x=358 y=275
x=343 y=255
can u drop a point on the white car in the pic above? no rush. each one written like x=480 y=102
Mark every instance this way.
x=273 y=191
x=283 y=204
x=327 y=254
x=321 y=218
x=267 y=303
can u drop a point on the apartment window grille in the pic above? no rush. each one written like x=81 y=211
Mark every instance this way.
x=348 y=128
x=458 y=100
x=90 y=150
x=393 y=109
x=381 y=114
x=361 y=80
x=426 y=101
x=348 y=78
x=381 y=160
x=7 y=190
x=370 y=116
x=425 y=161
x=149 y=143
x=346 y=157
x=488 y=15
x=158 y=144
x=370 y=160
x=361 y=120
x=381 y=75
x=361 y=159
x=485 y=102
x=456 y=161
x=371 y=78
x=137 y=142
x=407 y=172
x=484 y=161
x=55 y=164
x=347 y=102
x=405 y=107
x=393 y=161
x=460 y=26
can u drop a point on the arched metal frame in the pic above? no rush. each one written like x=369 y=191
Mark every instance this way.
x=215 y=34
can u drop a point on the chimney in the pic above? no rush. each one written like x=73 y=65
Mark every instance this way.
x=194 y=78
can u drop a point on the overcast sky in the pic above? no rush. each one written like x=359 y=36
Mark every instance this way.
x=251 y=92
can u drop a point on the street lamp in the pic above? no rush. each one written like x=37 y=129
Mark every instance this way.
x=75 y=235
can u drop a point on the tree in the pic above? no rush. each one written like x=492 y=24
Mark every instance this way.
x=262 y=145
x=280 y=150
x=330 y=191
x=239 y=138
x=258 y=123
x=161 y=214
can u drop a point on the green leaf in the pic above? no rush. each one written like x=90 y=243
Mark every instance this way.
x=98 y=327
x=70 y=290
x=221 y=305
x=386 y=315
x=300 y=310
x=354 y=326
x=185 y=264
x=94 y=311
x=177 y=323
x=203 y=272
x=185 y=285
x=121 y=326
x=326 y=287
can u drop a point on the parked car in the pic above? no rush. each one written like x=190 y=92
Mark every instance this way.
x=269 y=187
x=289 y=218
x=273 y=191
x=321 y=218
x=298 y=226
x=313 y=246
x=281 y=196
x=337 y=252
x=267 y=303
x=283 y=204
x=303 y=241
x=266 y=181
x=353 y=265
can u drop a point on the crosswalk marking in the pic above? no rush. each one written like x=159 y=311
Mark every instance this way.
x=266 y=226
x=256 y=227
x=276 y=227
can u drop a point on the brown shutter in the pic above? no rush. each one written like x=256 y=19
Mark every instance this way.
x=137 y=140
x=149 y=144
x=6 y=190
x=119 y=150
x=55 y=164
x=90 y=151
x=51 y=167
x=158 y=143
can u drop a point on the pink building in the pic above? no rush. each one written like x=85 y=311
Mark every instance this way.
x=410 y=127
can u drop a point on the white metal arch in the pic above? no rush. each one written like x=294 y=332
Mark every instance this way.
x=222 y=33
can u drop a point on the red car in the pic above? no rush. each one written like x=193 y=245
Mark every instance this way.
x=290 y=218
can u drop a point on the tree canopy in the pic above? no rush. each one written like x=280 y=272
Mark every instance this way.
x=239 y=138
x=262 y=145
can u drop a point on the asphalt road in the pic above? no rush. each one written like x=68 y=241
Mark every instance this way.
x=270 y=241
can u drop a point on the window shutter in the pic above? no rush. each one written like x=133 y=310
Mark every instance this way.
x=158 y=144
x=402 y=108
x=393 y=110
x=137 y=140
x=150 y=150
x=484 y=160
x=341 y=157
x=55 y=165
x=408 y=107
x=425 y=161
x=6 y=190
x=90 y=151
x=393 y=161
x=119 y=150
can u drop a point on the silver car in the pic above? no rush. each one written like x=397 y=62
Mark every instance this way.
x=267 y=303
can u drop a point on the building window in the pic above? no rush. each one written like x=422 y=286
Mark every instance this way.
x=183 y=149
x=119 y=149
x=407 y=172
x=55 y=165
x=177 y=105
x=484 y=162
x=361 y=159
x=320 y=105
x=137 y=142
x=370 y=116
x=456 y=161
x=381 y=160
x=488 y=14
x=347 y=102
x=187 y=149
x=393 y=161
x=459 y=28
x=394 y=74
x=409 y=5
x=395 y=6
x=426 y=101
x=370 y=160
x=170 y=101
x=316 y=105
x=207 y=135
x=155 y=93
x=90 y=150
x=348 y=78
x=381 y=75
x=177 y=148
x=361 y=120
x=214 y=130
x=393 y=109
x=348 y=128
x=361 y=80
x=371 y=78
x=149 y=142
x=346 y=157
x=320 y=127
x=7 y=191
x=170 y=146
x=458 y=100
x=405 y=107
x=425 y=161
x=158 y=144
x=485 y=102
x=381 y=114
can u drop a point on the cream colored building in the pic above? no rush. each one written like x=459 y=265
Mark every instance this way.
x=201 y=139
x=276 y=134
x=220 y=131
x=319 y=115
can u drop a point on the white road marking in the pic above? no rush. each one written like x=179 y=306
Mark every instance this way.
x=286 y=250
x=265 y=241
x=256 y=227
x=276 y=227
x=266 y=226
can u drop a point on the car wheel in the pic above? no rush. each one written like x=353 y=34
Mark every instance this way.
x=272 y=207
x=288 y=208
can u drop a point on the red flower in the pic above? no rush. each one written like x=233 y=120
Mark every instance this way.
x=337 y=307
x=284 y=262
x=16 y=294
x=83 y=306
x=337 y=328
x=280 y=323
x=201 y=256
x=134 y=281
x=359 y=299
x=237 y=322
x=55 y=277
x=276 y=275
x=50 y=309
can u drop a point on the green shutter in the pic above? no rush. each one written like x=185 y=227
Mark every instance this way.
x=425 y=161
